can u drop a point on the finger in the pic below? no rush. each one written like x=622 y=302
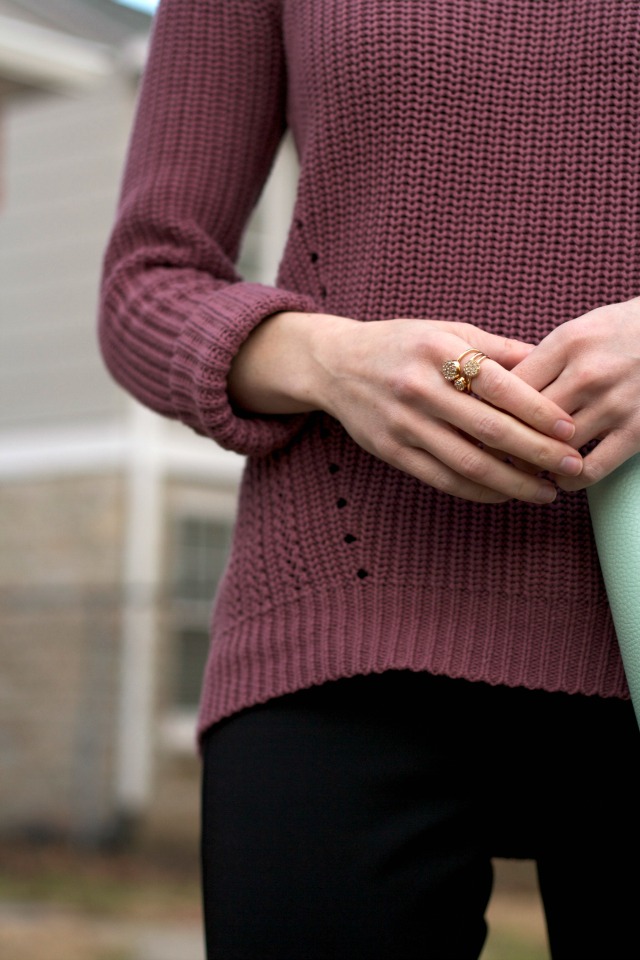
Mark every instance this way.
x=544 y=364
x=596 y=418
x=572 y=394
x=609 y=453
x=479 y=466
x=523 y=465
x=499 y=430
x=506 y=351
x=423 y=465
x=500 y=454
x=516 y=462
x=591 y=425
x=427 y=468
x=506 y=391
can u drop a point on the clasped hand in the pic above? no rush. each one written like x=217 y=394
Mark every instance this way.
x=590 y=367
x=541 y=404
x=384 y=383
x=516 y=436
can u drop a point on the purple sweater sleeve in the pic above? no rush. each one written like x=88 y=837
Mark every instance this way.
x=173 y=311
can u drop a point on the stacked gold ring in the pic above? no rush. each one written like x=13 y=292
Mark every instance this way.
x=461 y=376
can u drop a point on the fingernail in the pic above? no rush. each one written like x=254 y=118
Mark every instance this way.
x=571 y=466
x=546 y=494
x=564 y=430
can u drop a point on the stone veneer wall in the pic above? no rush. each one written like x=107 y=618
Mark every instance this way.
x=60 y=602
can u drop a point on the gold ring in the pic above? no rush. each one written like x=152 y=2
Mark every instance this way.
x=461 y=377
x=451 y=369
x=472 y=366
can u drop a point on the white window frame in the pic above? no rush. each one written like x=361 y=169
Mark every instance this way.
x=178 y=723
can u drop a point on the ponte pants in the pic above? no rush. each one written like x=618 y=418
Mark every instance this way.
x=358 y=820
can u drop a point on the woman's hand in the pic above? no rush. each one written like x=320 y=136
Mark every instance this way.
x=383 y=381
x=590 y=366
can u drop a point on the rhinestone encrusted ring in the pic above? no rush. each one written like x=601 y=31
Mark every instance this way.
x=460 y=376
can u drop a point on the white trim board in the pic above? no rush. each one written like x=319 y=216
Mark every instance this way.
x=95 y=447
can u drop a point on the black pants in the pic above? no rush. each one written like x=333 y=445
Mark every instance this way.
x=359 y=819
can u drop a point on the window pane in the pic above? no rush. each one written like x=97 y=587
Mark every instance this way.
x=201 y=547
x=191 y=649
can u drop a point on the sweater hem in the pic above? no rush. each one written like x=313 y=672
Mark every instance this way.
x=360 y=631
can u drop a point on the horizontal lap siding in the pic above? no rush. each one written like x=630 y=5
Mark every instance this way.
x=62 y=163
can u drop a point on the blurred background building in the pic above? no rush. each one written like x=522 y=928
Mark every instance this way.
x=114 y=522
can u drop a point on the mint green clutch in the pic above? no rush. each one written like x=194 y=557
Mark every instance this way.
x=614 y=503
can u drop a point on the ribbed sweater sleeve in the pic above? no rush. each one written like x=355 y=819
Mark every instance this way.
x=173 y=312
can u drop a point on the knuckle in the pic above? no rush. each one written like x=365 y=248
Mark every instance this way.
x=443 y=481
x=545 y=458
x=393 y=426
x=407 y=386
x=583 y=372
x=539 y=411
x=495 y=381
x=488 y=428
x=456 y=485
x=473 y=465
x=389 y=448
x=523 y=489
x=591 y=472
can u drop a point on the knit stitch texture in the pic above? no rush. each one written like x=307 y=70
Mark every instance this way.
x=473 y=160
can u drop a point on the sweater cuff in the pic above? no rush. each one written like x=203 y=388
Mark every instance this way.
x=202 y=358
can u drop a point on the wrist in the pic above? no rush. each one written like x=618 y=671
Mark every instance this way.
x=327 y=346
x=285 y=366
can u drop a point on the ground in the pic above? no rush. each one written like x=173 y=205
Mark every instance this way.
x=64 y=903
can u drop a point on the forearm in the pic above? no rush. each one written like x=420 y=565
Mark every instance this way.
x=173 y=311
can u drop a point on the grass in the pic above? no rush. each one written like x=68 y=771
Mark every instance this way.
x=58 y=939
x=64 y=903
x=101 y=885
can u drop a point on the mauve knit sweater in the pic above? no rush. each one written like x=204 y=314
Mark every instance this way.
x=473 y=160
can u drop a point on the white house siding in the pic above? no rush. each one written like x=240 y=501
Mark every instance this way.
x=63 y=157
